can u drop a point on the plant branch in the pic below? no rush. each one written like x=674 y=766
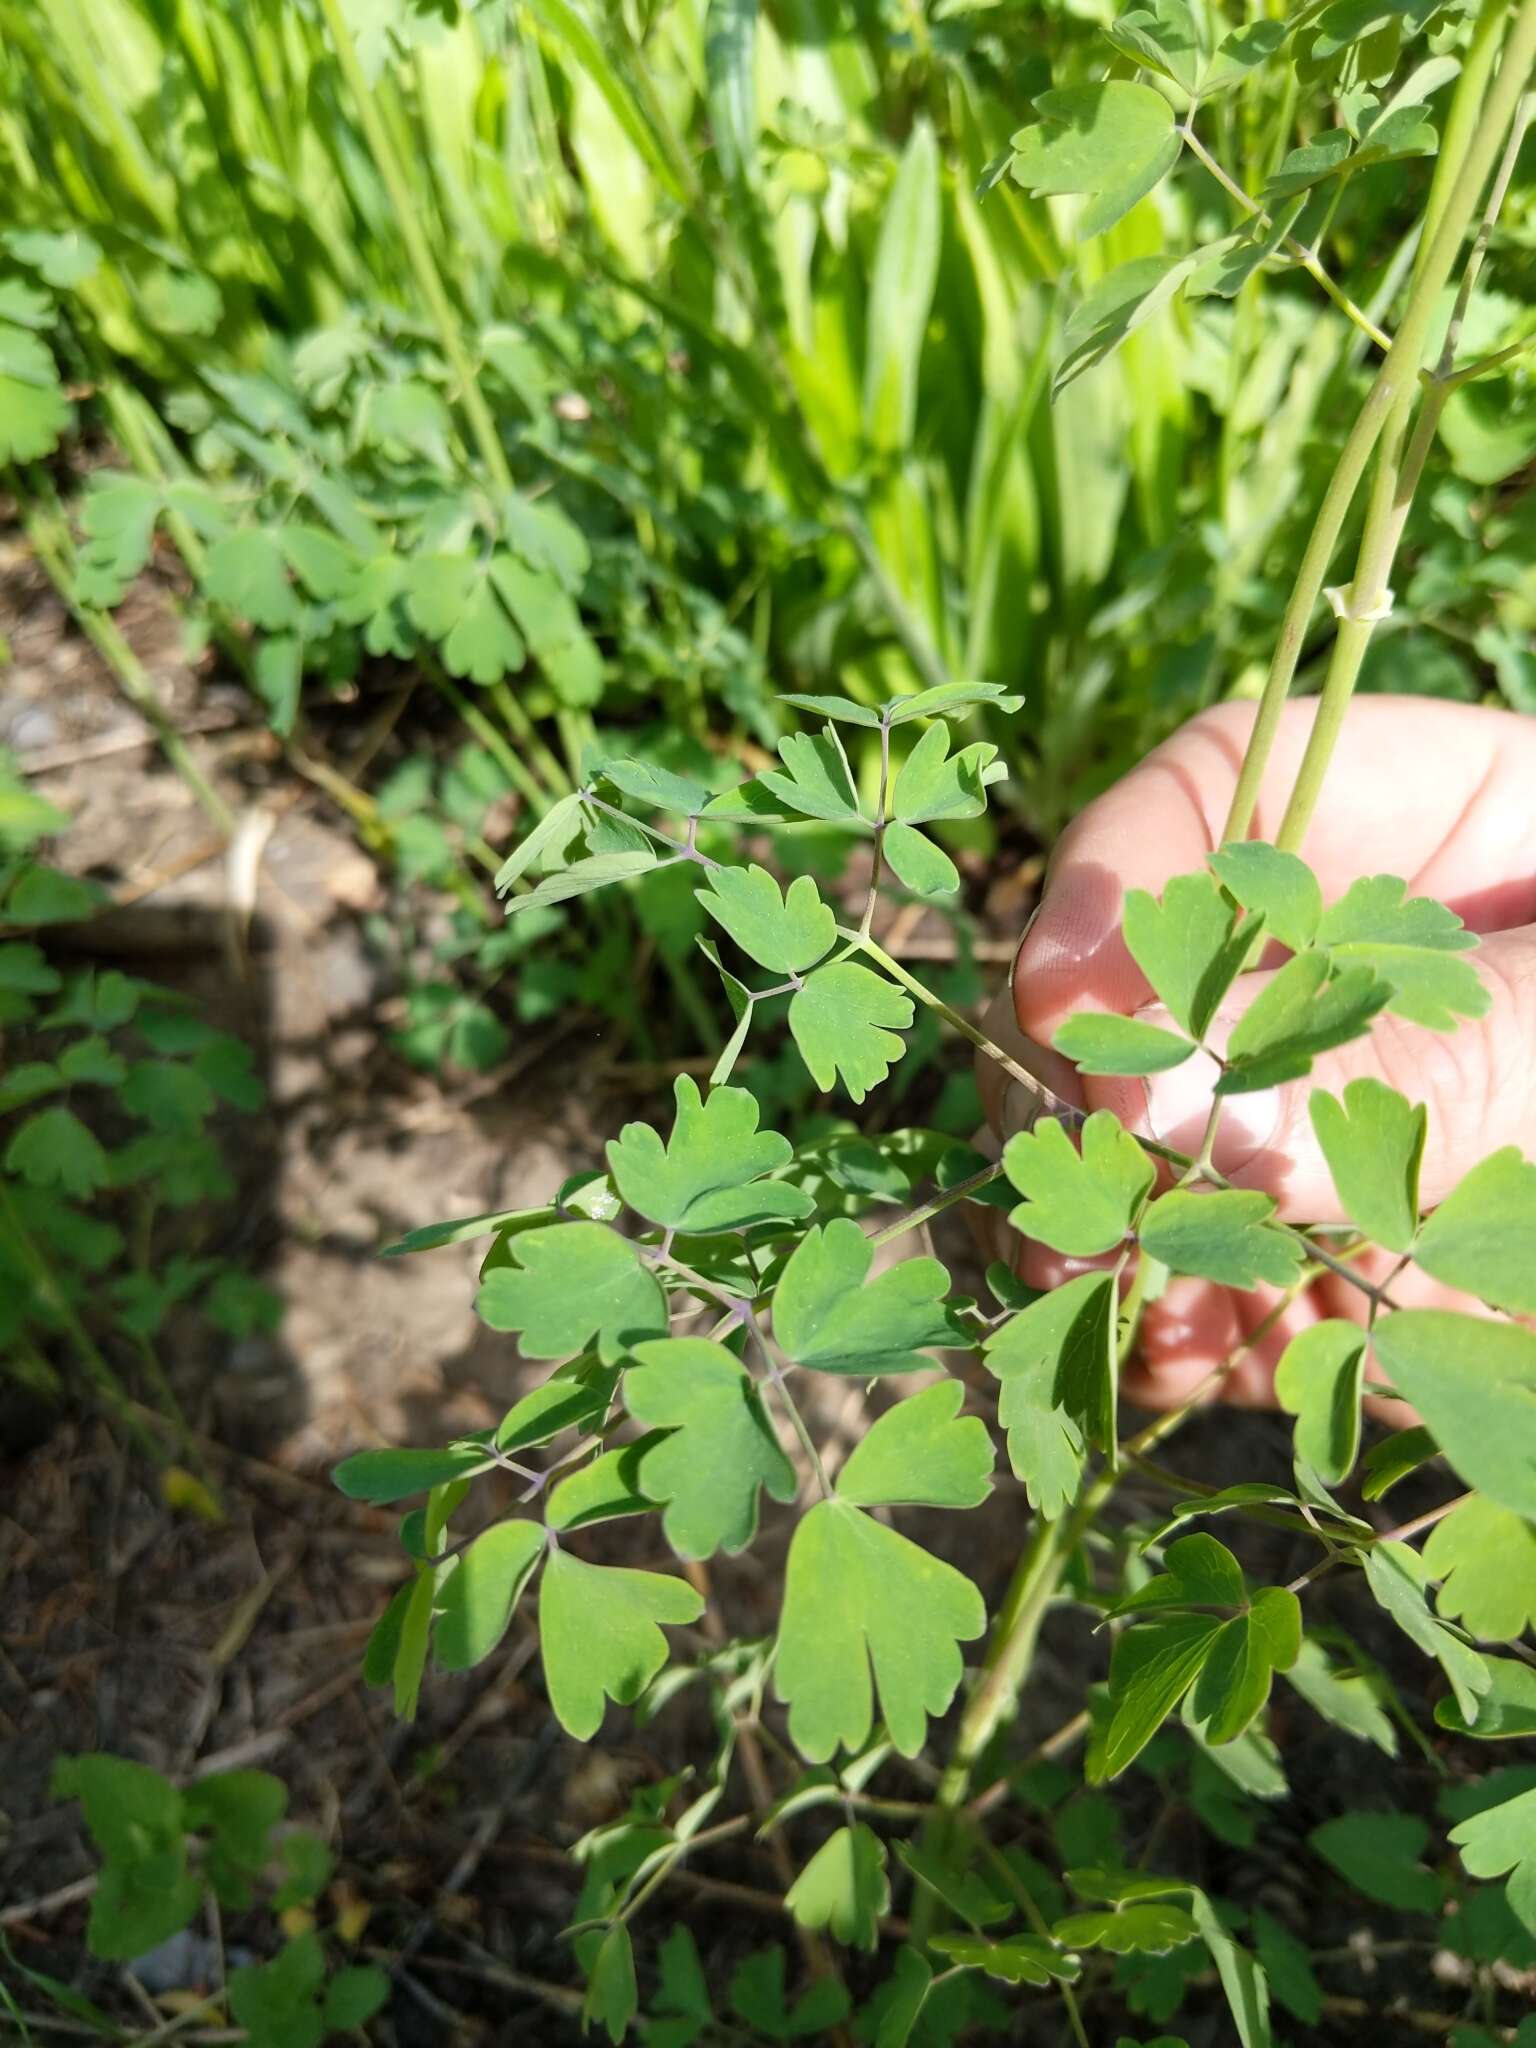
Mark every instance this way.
x=1306 y=257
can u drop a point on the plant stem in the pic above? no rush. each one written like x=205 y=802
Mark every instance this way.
x=1306 y=257
x=1473 y=135
x=962 y=1191
x=866 y=922
x=386 y=159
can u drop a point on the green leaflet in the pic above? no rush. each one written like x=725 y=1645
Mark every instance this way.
x=1235 y=1678
x=1300 y=1014
x=816 y=781
x=857 y=1595
x=1150 y=1671
x=1482 y=1238
x=476 y=1599
x=706 y=1176
x=785 y=933
x=598 y=1628
x=1373 y=1141
x=1102 y=1044
x=607 y=1487
x=1081 y=1203
x=826 y=1316
x=1150 y=1928
x=918 y=864
x=613 y=1997
x=1281 y=888
x=569 y=1284
x=1397 y=1577
x=1318 y=1381
x=1056 y=1361
x=721 y=1450
x=933 y=783
x=845 y=1021
x=1226 y=1236
x=1506 y=1711
x=1021 y=1959
x=1410 y=943
x=384 y=1476
x=1474 y=1383
x=1485 y=1558
x=921 y=1453
x=1379 y=1854
x=1503 y=1838
x=1113 y=141
x=844 y=1888
x=1188 y=946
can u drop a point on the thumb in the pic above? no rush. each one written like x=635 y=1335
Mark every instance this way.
x=1478 y=1083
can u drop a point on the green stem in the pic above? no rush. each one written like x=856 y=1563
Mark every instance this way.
x=391 y=169
x=1472 y=138
x=1306 y=257
x=523 y=728
x=1392 y=492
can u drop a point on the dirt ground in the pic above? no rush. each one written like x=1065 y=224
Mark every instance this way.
x=193 y=1647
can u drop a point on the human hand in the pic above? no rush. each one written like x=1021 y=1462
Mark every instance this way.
x=1441 y=794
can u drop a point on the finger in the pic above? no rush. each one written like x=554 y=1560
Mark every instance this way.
x=1006 y=1103
x=1478 y=1083
x=1437 y=793
x=1196 y=1330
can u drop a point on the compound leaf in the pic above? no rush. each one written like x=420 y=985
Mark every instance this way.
x=845 y=1021
x=598 y=1627
x=1318 y=1381
x=475 y=1601
x=1198 y=1572
x=1485 y=1558
x=757 y=1996
x=844 y=1888
x=944 y=700
x=652 y=785
x=1226 y=1236
x=705 y=1177
x=581 y=878
x=785 y=933
x=1114 y=141
x=1373 y=1141
x=825 y=1316
x=1187 y=946
x=1098 y=1043
x=921 y=1453
x=722 y=1448
x=858 y=1594
x=1474 y=1382
x=609 y=1486
x=570 y=1283
x=1482 y=1238
x=1078 y=1202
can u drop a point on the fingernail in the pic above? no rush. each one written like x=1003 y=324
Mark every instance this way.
x=1179 y=1104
